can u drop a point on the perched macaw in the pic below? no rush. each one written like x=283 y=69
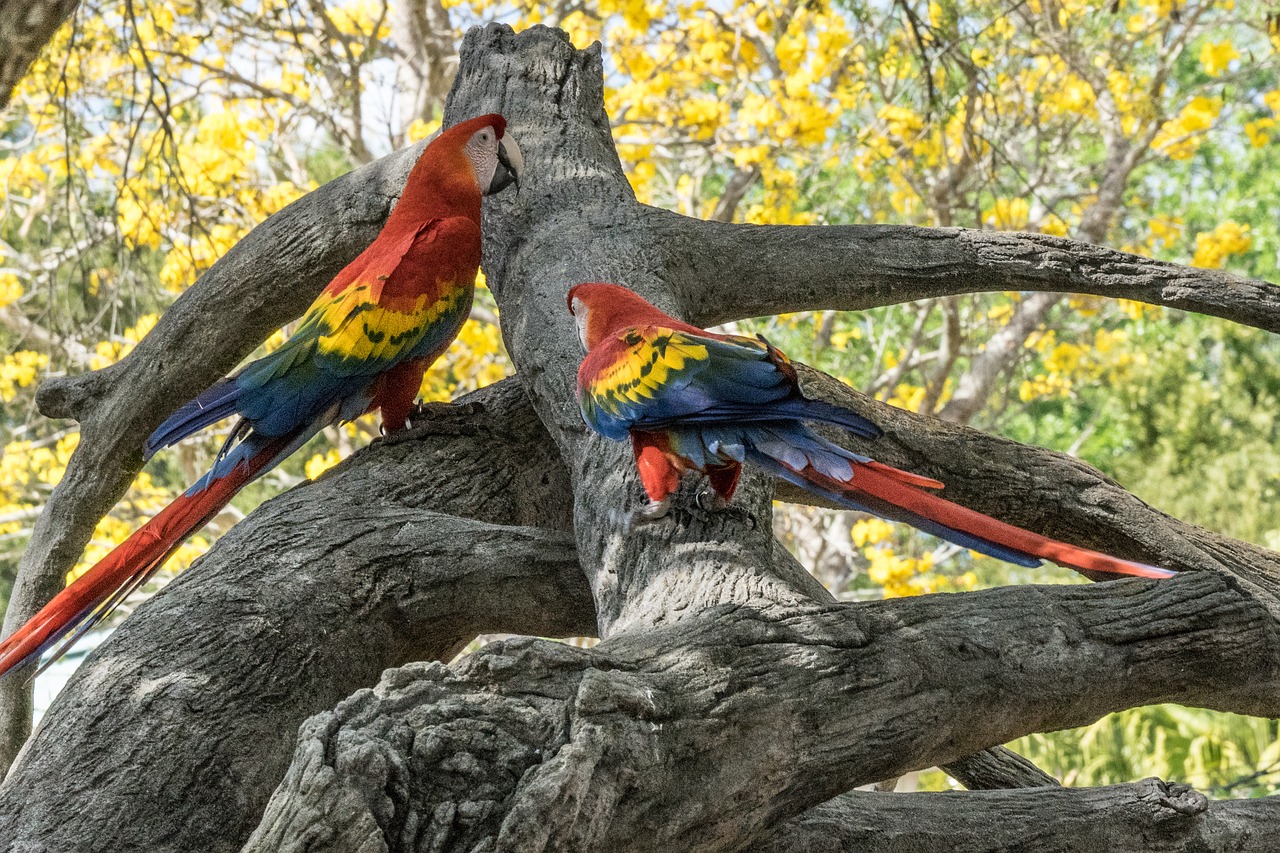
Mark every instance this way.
x=362 y=345
x=692 y=400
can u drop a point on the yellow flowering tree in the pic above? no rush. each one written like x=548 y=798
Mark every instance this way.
x=934 y=135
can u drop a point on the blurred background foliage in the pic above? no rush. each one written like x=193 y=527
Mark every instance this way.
x=151 y=136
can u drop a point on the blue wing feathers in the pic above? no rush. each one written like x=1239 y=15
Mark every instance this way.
x=805 y=409
x=216 y=403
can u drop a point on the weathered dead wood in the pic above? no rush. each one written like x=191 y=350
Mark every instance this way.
x=997 y=768
x=736 y=271
x=706 y=734
x=1151 y=816
x=173 y=734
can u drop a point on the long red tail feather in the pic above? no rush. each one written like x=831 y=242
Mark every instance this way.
x=95 y=594
x=894 y=490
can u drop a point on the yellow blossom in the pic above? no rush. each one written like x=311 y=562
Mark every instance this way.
x=1054 y=225
x=869 y=531
x=1213 y=247
x=1008 y=214
x=1216 y=57
x=1259 y=131
x=20 y=370
x=1180 y=137
x=321 y=462
x=10 y=289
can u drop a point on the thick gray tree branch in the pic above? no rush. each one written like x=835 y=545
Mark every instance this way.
x=173 y=734
x=618 y=748
x=736 y=271
x=1151 y=816
x=998 y=768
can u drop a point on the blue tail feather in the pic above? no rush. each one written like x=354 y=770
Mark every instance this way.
x=805 y=409
x=218 y=402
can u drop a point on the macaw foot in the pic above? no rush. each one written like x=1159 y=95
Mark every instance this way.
x=417 y=414
x=709 y=501
x=648 y=514
x=711 y=506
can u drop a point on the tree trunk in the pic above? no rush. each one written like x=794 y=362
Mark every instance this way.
x=732 y=705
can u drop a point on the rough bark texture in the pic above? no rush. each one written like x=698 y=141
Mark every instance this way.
x=755 y=270
x=731 y=698
x=704 y=734
x=998 y=768
x=308 y=599
x=1149 y=816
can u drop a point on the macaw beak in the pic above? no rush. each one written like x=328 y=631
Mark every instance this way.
x=510 y=164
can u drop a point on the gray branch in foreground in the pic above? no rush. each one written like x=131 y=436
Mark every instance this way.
x=736 y=271
x=175 y=731
x=706 y=735
x=997 y=768
x=1151 y=816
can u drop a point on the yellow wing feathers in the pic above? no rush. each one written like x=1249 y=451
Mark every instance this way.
x=354 y=326
x=648 y=363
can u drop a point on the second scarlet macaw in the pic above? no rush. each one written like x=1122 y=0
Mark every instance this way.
x=692 y=400
x=362 y=345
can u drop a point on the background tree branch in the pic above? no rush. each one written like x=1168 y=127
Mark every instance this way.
x=774 y=269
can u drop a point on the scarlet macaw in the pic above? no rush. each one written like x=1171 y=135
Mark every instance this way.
x=362 y=345
x=692 y=400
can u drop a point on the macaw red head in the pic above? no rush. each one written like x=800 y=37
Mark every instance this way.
x=602 y=309
x=494 y=157
x=473 y=156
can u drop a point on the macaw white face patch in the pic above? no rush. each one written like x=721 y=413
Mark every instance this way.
x=482 y=150
x=580 y=310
